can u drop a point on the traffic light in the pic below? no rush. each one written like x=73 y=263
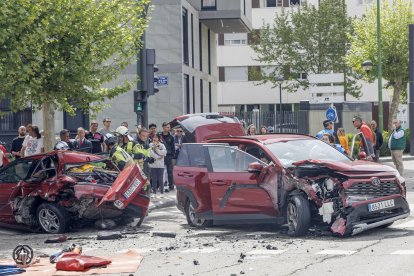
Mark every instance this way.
x=151 y=68
x=140 y=99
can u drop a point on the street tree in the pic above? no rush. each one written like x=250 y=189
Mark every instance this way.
x=310 y=40
x=61 y=54
x=395 y=19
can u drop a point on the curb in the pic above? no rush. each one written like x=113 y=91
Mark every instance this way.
x=389 y=159
x=164 y=203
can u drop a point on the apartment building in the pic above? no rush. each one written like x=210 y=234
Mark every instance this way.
x=235 y=59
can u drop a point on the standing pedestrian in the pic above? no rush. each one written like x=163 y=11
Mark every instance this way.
x=17 y=143
x=158 y=152
x=178 y=140
x=379 y=139
x=396 y=144
x=33 y=143
x=263 y=130
x=366 y=131
x=81 y=143
x=343 y=140
x=64 y=143
x=106 y=127
x=168 y=140
x=152 y=131
x=96 y=138
x=328 y=128
x=4 y=160
x=251 y=130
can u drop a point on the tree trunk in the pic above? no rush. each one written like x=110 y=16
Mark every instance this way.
x=394 y=103
x=48 y=126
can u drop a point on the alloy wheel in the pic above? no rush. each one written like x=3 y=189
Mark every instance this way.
x=49 y=221
x=196 y=221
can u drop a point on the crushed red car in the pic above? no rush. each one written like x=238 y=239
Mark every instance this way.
x=280 y=178
x=56 y=190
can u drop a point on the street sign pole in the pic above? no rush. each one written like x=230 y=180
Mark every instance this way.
x=411 y=88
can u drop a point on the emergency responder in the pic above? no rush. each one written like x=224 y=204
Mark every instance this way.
x=131 y=147
x=117 y=154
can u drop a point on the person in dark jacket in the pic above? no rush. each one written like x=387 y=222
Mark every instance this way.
x=168 y=140
x=82 y=144
x=18 y=142
x=379 y=140
x=397 y=144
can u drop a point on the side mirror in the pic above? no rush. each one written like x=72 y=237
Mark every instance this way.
x=255 y=167
x=37 y=177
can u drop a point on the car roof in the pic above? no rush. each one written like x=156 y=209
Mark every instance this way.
x=267 y=138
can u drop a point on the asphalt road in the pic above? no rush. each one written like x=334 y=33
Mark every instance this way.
x=246 y=250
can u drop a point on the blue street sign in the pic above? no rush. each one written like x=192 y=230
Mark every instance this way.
x=331 y=114
x=162 y=81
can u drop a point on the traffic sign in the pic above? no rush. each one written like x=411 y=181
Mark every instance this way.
x=162 y=81
x=331 y=114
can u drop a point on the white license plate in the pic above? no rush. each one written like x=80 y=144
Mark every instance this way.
x=381 y=205
x=132 y=188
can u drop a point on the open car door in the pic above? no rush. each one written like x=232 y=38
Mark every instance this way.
x=235 y=192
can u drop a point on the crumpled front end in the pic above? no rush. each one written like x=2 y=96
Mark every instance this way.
x=352 y=202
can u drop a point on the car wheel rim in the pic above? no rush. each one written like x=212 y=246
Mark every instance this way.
x=49 y=221
x=196 y=221
x=292 y=217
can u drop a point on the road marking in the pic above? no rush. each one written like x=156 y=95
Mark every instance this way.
x=207 y=232
x=265 y=252
x=201 y=250
x=139 y=250
x=336 y=252
x=403 y=252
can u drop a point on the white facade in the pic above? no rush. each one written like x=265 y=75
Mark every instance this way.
x=235 y=94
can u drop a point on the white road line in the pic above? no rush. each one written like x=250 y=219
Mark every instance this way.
x=265 y=252
x=403 y=252
x=336 y=252
x=207 y=232
x=201 y=250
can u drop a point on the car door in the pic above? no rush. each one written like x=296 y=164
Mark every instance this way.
x=234 y=190
x=10 y=177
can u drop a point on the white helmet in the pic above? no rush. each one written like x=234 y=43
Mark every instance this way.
x=121 y=131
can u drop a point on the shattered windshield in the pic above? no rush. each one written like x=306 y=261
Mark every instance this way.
x=292 y=151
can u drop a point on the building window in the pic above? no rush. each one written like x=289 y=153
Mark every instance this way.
x=209 y=51
x=282 y=3
x=187 y=93
x=185 y=36
x=194 y=95
x=254 y=73
x=235 y=39
x=192 y=40
x=209 y=98
x=208 y=4
x=201 y=97
x=200 y=44
x=236 y=73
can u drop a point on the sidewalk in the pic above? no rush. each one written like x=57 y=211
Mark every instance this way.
x=406 y=157
x=168 y=201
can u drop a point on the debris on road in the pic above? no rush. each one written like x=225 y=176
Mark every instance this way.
x=195 y=262
x=58 y=239
x=109 y=236
x=105 y=224
x=164 y=234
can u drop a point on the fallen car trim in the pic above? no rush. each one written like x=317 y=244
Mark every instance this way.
x=358 y=228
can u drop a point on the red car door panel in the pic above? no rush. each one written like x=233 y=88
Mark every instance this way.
x=233 y=189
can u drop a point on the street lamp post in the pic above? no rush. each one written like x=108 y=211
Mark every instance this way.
x=379 y=68
x=280 y=79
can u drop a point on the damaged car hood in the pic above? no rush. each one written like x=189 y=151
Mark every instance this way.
x=358 y=166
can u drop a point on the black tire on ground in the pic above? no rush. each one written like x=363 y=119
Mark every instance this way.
x=298 y=216
x=52 y=218
x=141 y=220
x=191 y=219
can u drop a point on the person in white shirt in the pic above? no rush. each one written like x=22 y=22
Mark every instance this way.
x=157 y=152
x=33 y=143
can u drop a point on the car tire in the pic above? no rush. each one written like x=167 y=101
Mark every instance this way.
x=298 y=216
x=52 y=218
x=191 y=219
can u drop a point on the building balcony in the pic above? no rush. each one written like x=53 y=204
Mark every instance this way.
x=225 y=16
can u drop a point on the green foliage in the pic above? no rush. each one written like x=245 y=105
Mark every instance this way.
x=308 y=40
x=62 y=52
x=395 y=19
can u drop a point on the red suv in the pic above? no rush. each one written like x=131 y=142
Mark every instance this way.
x=280 y=178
